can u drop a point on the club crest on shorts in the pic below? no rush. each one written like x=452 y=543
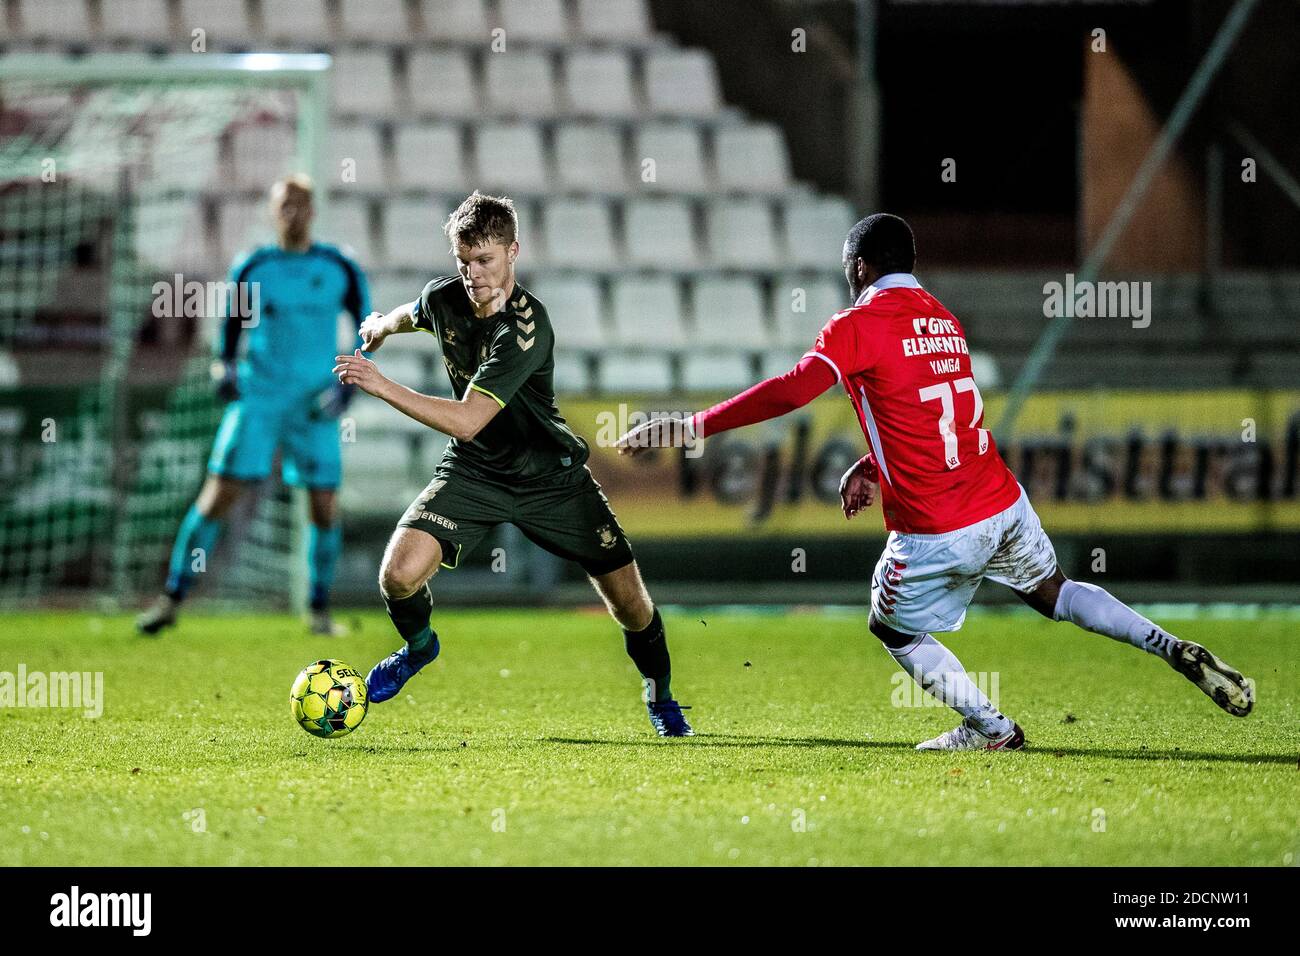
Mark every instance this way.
x=607 y=536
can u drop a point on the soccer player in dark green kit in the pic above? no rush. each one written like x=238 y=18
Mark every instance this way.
x=512 y=459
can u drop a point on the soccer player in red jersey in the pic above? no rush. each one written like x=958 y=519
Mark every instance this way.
x=955 y=512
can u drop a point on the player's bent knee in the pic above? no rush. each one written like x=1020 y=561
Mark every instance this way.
x=636 y=614
x=1044 y=597
x=398 y=579
x=887 y=635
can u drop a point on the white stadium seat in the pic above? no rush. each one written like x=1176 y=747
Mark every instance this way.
x=538 y=21
x=579 y=233
x=728 y=311
x=407 y=367
x=296 y=22
x=571 y=371
x=599 y=83
x=520 y=82
x=621 y=374
x=751 y=158
x=380 y=452
x=623 y=20
x=574 y=306
x=819 y=296
x=413 y=237
x=372 y=417
x=742 y=233
x=442 y=84
x=660 y=233
x=388 y=290
x=458 y=20
x=589 y=157
x=363 y=83
x=510 y=157
x=348 y=227
x=65 y=20
x=779 y=361
x=703 y=371
x=430 y=157
x=358 y=146
x=376 y=20
x=531 y=253
x=142 y=21
x=815 y=229
x=677 y=150
x=648 y=311
x=681 y=83
x=224 y=22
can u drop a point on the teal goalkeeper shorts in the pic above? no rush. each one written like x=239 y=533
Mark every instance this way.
x=252 y=429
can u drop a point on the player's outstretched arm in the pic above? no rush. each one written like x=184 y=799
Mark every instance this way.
x=770 y=398
x=462 y=419
x=379 y=326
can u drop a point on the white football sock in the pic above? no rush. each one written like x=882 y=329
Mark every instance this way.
x=939 y=672
x=1094 y=609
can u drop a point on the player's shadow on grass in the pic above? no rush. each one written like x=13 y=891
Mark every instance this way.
x=1115 y=753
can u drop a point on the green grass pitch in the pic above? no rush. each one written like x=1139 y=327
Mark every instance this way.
x=526 y=743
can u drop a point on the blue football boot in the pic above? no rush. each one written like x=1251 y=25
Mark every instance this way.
x=390 y=675
x=667 y=720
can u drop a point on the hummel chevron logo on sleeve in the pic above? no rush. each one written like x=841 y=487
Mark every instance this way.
x=524 y=344
x=526 y=328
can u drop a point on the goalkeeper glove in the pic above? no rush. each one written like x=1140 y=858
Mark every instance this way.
x=225 y=375
x=333 y=401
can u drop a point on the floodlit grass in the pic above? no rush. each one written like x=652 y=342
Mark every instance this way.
x=526 y=743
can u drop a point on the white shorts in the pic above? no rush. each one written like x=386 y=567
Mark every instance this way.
x=925 y=582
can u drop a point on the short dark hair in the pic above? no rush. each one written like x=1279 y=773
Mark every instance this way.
x=883 y=242
x=481 y=219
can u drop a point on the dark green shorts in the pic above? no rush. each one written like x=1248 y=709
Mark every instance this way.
x=569 y=516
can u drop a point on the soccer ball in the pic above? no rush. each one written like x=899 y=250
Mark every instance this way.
x=328 y=699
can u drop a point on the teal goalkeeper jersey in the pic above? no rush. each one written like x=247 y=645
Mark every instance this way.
x=288 y=306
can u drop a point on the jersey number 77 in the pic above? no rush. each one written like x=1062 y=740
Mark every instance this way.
x=945 y=393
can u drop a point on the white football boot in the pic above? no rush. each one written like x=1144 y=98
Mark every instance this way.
x=965 y=737
x=1221 y=683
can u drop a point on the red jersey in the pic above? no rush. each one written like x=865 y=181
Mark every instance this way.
x=902 y=358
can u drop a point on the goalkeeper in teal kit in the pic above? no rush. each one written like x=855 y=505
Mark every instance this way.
x=282 y=395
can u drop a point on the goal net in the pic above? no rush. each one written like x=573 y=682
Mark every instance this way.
x=127 y=185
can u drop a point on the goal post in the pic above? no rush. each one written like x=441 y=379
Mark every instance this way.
x=126 y=182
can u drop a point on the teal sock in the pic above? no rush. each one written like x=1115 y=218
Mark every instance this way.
x=323 y=547
x=196 y=534
x=423 y=641
x=410 y=615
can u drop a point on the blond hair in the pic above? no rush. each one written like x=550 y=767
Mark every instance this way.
x=295 y=181
x=481 y=220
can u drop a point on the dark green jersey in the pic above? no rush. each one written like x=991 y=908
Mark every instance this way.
x=508 y=356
